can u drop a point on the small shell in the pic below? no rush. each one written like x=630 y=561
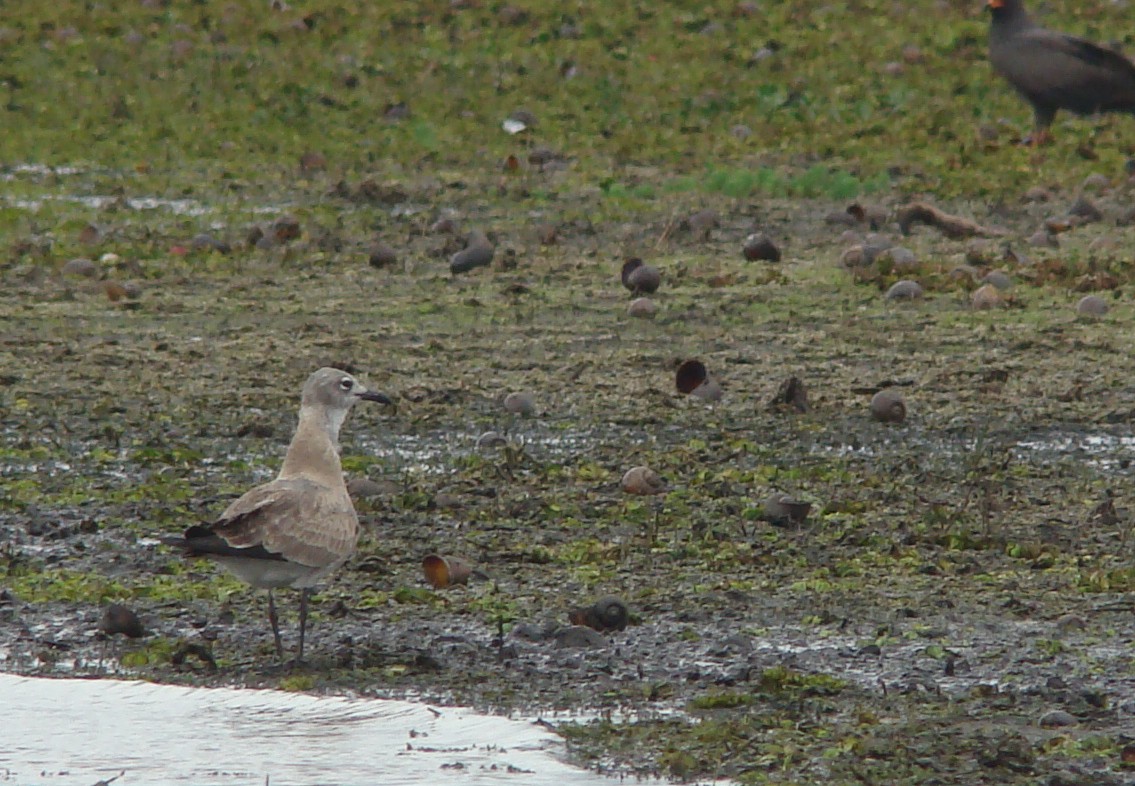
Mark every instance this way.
x=690 y=374
x=999 y=279
x=1092 y=306
x=709 y=390
x=446 y=571
x=760 y=247
x=522 y=404
x=81 y=268
x=786 y=509
x=606 y=614
x=642 y=307
x=639 y=277
x=474 y=256
x=986 y=297
x=491 y=439
x=904 y=290
x=643 y=481
x=887 y=406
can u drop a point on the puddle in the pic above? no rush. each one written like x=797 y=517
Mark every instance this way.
x=79 y=732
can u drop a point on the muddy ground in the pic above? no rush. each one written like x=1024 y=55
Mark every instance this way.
x=955 y=609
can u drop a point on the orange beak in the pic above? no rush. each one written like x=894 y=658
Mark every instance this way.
x=995 y=4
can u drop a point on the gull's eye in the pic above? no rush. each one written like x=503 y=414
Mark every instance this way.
x=346 y=383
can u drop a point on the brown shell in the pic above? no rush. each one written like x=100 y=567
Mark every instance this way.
x=691 y=373
x=446 y=570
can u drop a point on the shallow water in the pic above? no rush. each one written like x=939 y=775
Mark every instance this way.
x=77 y=732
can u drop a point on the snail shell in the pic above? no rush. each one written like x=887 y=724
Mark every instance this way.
x=607 y=613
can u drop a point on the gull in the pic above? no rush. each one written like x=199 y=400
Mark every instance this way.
x=301 y=527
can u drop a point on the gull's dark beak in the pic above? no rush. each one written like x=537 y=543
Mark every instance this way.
x=374 y=395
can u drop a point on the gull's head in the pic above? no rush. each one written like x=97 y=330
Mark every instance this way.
x=336 y=390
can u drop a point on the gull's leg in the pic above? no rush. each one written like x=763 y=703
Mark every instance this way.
x=275 y=626
x=304 y=593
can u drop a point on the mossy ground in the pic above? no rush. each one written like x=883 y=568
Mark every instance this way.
x=960 y=575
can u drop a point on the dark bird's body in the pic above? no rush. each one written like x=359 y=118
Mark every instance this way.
x=1054 y=71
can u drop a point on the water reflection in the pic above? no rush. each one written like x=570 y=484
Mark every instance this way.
x=71 y=732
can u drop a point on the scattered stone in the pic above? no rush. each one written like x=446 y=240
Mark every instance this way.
x=981 y=253
x=443 y=226
x=904 y=290
x=520 y=403
x=1042 y=238
x=1103 y=244
x=1070 y=622
x=642 y=308
x=121 y=620
x=547 y=234
x=1057 y=719
x=791 y=393
x=312 y=161
x=81 y=268
x=396 y=112
x=643 y=482
x=760 y=247
x=579 y=637
x=203 y=241
x=854 y=257
x=381 y=255
x=703 y=222
x=902 y=259
x=998 y=279
x=1085 y=210
x=364 y=488
x=887 y=406
x=606 y=614
x=1092 y=306
x=986 y=297
x=114 y=291
x=90 y=235
x=1096 y=181
x=285 y=228
x=639 y=277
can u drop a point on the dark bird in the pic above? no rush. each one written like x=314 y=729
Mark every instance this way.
x=1055 y=71
x=301 y=527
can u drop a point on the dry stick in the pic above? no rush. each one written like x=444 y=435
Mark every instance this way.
x=949 y=225
x=667 y=230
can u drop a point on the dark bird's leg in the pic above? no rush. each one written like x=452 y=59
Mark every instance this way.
x=304 y=593
x=275 y=625
x=1043 y=117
